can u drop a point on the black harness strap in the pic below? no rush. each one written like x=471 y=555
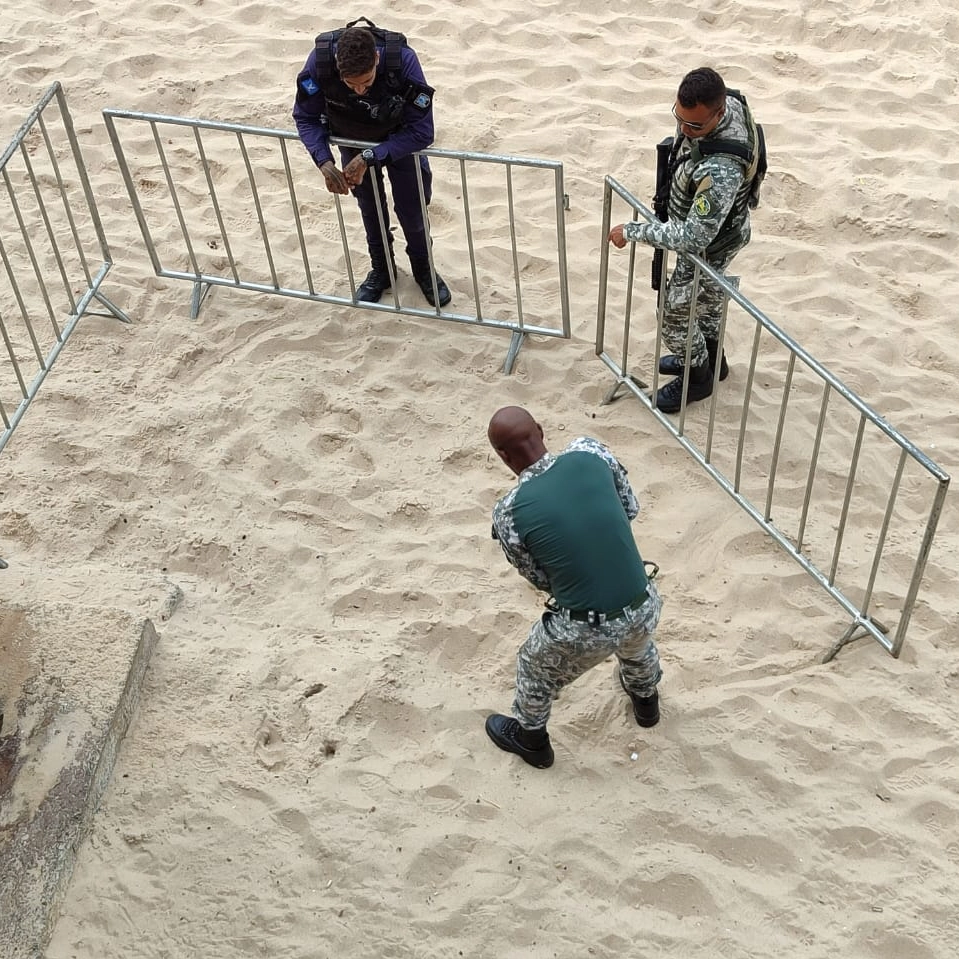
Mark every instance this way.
x=390 y=39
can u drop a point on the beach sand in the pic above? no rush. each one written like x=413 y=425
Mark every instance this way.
x=307 y=774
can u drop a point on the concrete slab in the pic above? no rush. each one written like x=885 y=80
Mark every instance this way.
x=70 y=676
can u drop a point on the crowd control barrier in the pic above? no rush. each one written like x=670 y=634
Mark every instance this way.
x=844 y=493
x=225 y=205
x=53 y=250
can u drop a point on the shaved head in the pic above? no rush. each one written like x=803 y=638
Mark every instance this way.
x=516 y=437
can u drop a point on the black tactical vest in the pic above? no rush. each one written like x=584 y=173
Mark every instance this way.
x=378 y=112
x=752 y=156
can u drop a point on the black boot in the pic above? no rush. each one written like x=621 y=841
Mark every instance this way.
x=531 y=745
x=377 y=281
x=420 y=266
x=672 y=365
x=645 y=708
x=670 y=398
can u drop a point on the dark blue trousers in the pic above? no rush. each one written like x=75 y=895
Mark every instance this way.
x=406 y=202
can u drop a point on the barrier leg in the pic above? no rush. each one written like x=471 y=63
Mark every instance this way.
x=113 y=308
x=200 y=292
x=514 y=345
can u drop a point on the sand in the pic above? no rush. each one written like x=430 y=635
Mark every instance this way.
x=307 y=774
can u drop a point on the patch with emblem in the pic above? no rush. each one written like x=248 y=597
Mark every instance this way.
x=422 y=101
x=701 y=205
x=309 y=85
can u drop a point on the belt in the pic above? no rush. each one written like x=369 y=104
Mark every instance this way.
x=596 y=618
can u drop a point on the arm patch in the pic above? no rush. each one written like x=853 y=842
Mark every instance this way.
x=701 y=204
x=420 y=97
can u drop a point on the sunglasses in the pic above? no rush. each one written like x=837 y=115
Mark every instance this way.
x=695 y=127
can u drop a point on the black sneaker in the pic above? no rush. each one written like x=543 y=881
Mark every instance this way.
x=509 y=735
x=645 y=708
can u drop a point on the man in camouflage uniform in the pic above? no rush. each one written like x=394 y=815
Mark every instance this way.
x=716 y=166
x=565 y=527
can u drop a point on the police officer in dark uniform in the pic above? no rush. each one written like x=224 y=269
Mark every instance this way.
x=364 y=83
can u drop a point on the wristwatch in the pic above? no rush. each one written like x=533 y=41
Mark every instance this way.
x=368 y=157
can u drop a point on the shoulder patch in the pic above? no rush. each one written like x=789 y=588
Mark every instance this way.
x=421 y=100
x=309 y=85
x=701 y=205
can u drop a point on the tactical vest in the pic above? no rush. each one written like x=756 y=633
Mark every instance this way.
x=751 y=155
x=379 y=112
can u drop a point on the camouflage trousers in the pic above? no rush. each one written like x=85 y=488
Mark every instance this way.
x=559 y=650
x=708 y=311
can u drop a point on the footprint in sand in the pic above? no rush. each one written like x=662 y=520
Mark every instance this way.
x=269 y=748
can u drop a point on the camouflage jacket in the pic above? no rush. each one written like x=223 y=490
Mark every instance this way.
x=707 y=199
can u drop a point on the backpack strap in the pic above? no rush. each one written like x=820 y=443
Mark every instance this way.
x=325 y=65
x=752 y=157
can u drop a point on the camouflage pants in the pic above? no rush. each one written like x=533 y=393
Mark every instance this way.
x=559 y=650
x=709 y=306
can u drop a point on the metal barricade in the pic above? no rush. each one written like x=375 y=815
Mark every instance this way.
x=54 y=253
x=856 y=504
x=221 y=204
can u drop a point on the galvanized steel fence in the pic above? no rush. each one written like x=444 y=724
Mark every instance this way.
x=221 y=204
x=53 y=249
x=856 y=504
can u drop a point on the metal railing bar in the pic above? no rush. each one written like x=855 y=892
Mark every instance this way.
x=813 y=463
x=250 y=130
x=67 y=207
x=217 y=212
x=254 y=190
x=847 y=497
x=307 y=270
x=562 y=264
x=91 y=203
x=510 y=206
x=778 y=436
x=174 y=196
x=131 y=191
x=424 y=213
x=470 y=245
x=345 y=301
x=711 y=423
x=883 y=532
x=920 y=567
x=744 y=415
